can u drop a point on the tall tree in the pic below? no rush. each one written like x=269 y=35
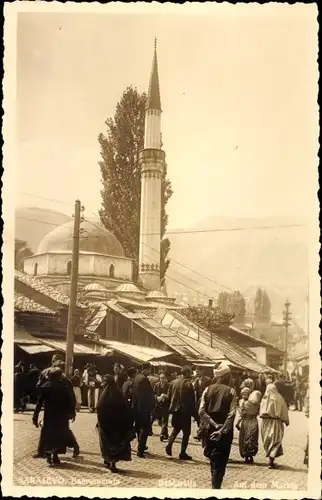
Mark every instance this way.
x=22 y=251
x=121 y=177
x=223 y=300
x=258 y=305
x=266 y=307
x=238 y=306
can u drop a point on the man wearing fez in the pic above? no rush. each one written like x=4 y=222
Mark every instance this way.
x=217 y=412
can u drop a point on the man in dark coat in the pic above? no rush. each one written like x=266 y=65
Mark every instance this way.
x=217 y=412
x=182 y=406
x=143 y=402
x=200 y=384
x=161 y=410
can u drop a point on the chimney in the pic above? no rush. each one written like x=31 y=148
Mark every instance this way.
x=210 y=303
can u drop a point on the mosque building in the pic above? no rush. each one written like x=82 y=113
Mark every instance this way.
x=103 y=266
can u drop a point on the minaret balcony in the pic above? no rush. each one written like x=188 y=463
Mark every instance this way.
x=152 y=155
x=152 y=162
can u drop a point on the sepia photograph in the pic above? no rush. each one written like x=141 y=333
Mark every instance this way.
x=161 y=250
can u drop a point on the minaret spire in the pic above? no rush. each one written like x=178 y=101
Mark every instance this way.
x=153 y=100
x=152 y=160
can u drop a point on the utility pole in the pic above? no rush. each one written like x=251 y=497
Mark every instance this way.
x=286 y=321
x=73 y=292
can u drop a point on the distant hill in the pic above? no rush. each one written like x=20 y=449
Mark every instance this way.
x=33 y=223
x=273 y=259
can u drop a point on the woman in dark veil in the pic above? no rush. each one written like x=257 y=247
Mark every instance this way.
x=59 y=407
x=115 y=425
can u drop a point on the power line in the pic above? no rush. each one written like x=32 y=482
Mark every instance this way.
x=219 y=230
x=41 y=221
x=44 y=198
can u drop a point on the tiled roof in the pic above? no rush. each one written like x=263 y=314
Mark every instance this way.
x=96 y=319
x=24 y=304
x=42 y=287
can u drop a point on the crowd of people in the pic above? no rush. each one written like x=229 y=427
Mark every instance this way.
x=128 y=403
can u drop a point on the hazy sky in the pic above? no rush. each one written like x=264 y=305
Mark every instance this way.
x=238 y=91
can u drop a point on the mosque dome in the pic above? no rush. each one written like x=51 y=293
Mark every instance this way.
x=128 y=291
x=128 y=288
x=155 y=294
x=94 y=238
x=94 y=287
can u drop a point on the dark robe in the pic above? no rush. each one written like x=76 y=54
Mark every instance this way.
x=59 y=406
x=143 y=399
x=19 y=389
x=286 y=391
x=32 y=381
x=115 y=425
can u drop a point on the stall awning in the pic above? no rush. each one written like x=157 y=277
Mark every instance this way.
x=164 y=364
x=215 y=363
x=35 y=348
x=137 y=352
x=21 y=336
x=60 y=345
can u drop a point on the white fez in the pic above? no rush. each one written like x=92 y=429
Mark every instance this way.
x=222 y=370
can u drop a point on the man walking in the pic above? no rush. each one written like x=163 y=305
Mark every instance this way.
x=143 y=402
x=217 y=412
x=200 y=384
x=182 y=406
x=161 y=411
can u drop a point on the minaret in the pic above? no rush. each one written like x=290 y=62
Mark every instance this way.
x=152 y=164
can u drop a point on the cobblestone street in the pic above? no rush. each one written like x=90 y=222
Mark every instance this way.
x=157 y=470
